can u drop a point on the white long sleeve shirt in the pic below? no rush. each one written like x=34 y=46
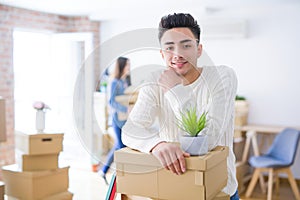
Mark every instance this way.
x=154 y=116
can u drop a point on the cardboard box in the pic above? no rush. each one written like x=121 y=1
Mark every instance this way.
x=2 y=188
x=34 y=185
x=141 y=174
x=39 y=144
x=222 y=196
x=2 y=120
x=36 y=162
x=60 y=196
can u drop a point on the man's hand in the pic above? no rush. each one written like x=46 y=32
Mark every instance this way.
x=169 y=79
x=171 y=157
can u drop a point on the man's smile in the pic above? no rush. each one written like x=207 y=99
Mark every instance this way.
x=179 y=64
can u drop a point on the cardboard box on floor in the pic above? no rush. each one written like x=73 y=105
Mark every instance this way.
x=60 y=196
x=36 y=162
x=39 y=144
x=2 y=120
x=34 y=185
x=2 y=188
x=141 y=174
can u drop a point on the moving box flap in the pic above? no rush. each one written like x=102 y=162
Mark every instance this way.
x=129 y=156
x=208 y=160
x=14 y=169
x=44 y=136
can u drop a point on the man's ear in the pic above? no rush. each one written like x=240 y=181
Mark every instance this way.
x=162 y=54
x=199 y=50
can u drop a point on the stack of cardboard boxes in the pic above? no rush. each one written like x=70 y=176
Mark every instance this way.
x=36 y=174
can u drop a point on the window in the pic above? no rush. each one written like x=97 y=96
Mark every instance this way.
x=46 y=66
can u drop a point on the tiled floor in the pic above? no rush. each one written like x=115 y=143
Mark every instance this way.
x=86 y=185
x=285 y=193
x=83 y=182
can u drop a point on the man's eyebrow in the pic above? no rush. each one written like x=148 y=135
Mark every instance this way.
x=182 y=41
x=168 y=43
x=187 y=40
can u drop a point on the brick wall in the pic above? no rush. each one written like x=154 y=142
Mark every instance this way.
x=11 y=18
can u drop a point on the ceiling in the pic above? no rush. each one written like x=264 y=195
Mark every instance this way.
x=101 y=10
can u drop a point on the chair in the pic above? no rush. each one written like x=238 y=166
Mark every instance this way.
x=279 y=158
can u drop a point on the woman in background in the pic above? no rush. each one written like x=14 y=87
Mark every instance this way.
x=120 y=81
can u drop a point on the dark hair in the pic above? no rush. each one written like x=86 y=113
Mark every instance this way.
x=179 y=20
x=120 y=66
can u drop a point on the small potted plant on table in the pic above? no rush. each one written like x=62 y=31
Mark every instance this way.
x=194 y=141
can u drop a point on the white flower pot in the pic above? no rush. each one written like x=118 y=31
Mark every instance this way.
x=40 y=121
x=194 y=145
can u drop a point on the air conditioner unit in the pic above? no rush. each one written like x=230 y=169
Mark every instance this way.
x=223 y=28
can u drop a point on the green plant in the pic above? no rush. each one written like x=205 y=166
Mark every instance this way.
x=237 y=97
x=190 y=122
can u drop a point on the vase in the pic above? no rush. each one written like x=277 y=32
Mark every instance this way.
x=195 y=146
x=40 y=121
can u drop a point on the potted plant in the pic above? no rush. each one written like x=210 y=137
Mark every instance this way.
x=194 y=141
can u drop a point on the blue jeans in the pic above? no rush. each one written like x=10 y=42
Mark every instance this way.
x=118 y=145
x=235 y=196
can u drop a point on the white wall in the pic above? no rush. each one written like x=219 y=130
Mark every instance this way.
x=266 y=61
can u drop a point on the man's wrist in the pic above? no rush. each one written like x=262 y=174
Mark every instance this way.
x=157 y=145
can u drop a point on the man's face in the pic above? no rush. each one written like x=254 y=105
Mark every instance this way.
x=180 y=50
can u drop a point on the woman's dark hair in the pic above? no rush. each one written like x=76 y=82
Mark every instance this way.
x=179 y=20
x=120 y=66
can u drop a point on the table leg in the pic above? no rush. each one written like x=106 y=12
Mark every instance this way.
x=251 y=137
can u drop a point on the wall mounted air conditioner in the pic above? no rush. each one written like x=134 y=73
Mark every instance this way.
x=223 y=28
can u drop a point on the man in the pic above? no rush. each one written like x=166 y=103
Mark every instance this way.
x=152 y=124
